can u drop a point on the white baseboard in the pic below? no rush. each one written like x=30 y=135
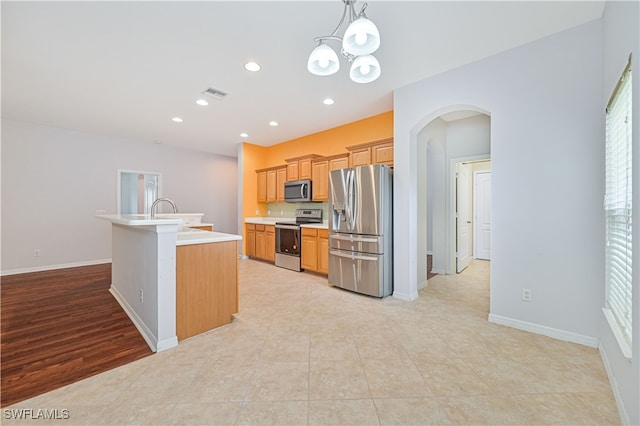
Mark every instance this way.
x=545 y=331
x=147 y=335
x=407 y=297
x=52 y=267
x=438 y=271
x=624 y=416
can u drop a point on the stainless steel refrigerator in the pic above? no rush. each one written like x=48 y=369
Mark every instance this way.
x=360 y=229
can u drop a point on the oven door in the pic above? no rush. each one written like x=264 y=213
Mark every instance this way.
x=288 y=239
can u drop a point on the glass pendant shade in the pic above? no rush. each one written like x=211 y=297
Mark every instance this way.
x=365 y=69
x=361 y=38
x=323 y=61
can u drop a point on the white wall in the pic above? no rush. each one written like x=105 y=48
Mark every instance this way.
x=54 y=180
x=544 y=102
x=621 y=21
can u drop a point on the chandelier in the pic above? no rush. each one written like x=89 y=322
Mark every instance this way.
x=360 y=40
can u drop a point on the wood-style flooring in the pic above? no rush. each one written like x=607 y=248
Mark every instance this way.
x=59 y=327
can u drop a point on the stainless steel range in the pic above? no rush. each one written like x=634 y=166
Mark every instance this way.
x=289 y=240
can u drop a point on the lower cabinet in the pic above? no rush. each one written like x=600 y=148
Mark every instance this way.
x=206 y=286
x=261 y=241
x=315 y=250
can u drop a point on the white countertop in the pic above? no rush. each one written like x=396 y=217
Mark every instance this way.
x=139 y=219
x=323 y=225
x=267 y=220
x=271 y=220
x=204 y=237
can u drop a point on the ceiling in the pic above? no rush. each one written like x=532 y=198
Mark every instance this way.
x=124 y=69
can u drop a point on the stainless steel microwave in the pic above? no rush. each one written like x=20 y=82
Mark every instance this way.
x=298 y=191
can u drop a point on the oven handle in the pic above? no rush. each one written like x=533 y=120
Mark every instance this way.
x=294 y=227
x=352 y=256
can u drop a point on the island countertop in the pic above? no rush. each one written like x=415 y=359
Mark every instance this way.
x=202 y=237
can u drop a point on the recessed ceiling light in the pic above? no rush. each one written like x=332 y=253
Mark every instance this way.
x=177 y=119
x=244 y=135
x=273 y=123
x=202 y=102
x=252 y=66
x=328 y=101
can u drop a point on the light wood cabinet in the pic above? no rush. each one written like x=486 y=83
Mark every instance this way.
x=206 y=286
x=202 y=227
x=309 y=249
x=270 y=241
x=261 y=241
x=360 y=157
x=315 y=250
x=320 y=173
x=281 y=178
x=323 y=251
x=271 y=186
x=251 y=240
x=320 y=178
x=262 y=186
x=377 y=152
x=340 y=161
x=299 y=168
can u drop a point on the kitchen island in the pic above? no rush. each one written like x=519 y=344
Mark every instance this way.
x=173 y=282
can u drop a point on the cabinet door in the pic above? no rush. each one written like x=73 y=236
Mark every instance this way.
x=323 y=251
x=281 y=178
x=261 y=245
x=339 y=163
x=309 y=250
x=383 y=154
x=292 y=171
x=270 y=243
x=251 y=241
x=262 y=187
x=360 y=157
x=271 y=186
x=320 y=177
x=304 y=169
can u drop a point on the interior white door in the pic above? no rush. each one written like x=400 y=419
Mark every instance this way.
x=463 y=216
x=482 y=207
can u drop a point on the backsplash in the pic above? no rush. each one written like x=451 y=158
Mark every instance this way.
x=289 y=209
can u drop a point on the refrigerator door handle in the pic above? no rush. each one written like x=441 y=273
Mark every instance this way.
x=352 y=256
x=354 y=201
x=354 y=239
x=348 y=198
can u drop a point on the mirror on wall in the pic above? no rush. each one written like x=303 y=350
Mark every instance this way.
x=137 y=191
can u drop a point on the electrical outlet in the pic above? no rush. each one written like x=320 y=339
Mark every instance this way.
x=36 y=253
x=141 y=296
x=526 y=295
x=258 y=212
x=281 y=212
x=268 y=212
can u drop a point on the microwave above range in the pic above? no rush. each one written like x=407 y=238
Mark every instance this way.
x=298 y=191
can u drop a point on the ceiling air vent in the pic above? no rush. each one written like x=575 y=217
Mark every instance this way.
x=215 y=93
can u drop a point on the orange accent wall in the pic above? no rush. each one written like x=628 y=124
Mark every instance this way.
x=327 y=142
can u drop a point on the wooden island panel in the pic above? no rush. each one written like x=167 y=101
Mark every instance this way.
x=206 y=286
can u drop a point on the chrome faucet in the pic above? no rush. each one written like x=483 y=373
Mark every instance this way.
x=156 y=202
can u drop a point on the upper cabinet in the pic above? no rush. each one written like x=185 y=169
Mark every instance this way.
x=299 y=168
x=378 y=152
x=271 y=184
x=320 y=168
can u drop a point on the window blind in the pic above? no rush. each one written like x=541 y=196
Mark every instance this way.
x=618 y=208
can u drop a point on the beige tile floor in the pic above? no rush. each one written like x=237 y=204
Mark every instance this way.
x=301 y=352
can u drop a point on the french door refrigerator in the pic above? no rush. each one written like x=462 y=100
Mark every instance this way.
x=360 y=229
